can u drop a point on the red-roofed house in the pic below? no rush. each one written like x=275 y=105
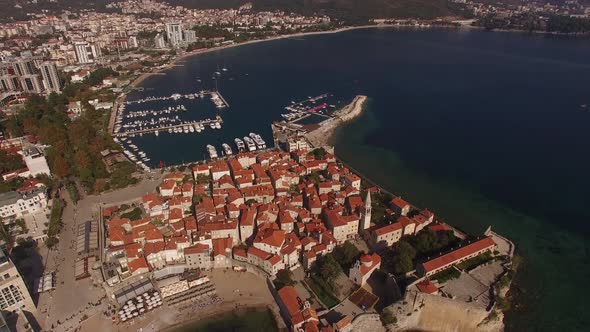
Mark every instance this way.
x=270 y=240
x=386 y=236
x=400 y=206
x=295 y=311
x=222 y=252
x=198 y=256
x=138 y=266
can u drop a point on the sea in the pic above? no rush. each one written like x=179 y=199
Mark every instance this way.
x=484 y=128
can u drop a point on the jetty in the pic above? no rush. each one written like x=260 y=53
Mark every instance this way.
x=215 y=95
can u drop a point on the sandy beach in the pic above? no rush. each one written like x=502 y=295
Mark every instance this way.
x=238 y=291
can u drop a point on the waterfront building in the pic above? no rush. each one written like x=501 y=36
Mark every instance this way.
x=86 y=52
x=400 y=206
x=174 y=34
x=473 y=249
x=14 y=294
x=198 y=256
x=363 y=268
x=50 y=77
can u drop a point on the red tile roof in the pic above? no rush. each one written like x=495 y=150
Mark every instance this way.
x=396 y=226
x=198 y=248
x=425 y=286
x=458 y=254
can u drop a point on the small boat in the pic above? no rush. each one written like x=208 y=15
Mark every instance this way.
x=227 y=149
x=212 y=151
x=240 y=144
x=217 y=125
x=250 y=143
x=191 y=129
x=212 y=125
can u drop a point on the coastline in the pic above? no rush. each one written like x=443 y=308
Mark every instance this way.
x=227 y=309
x=323 y=134
x=142 y=77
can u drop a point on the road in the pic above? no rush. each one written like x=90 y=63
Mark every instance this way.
x=63 y=308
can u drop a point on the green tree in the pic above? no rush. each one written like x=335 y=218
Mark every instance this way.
x=329 y=268
x=346 y=254
x=284 y=278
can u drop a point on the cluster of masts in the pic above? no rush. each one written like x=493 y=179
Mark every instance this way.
x=144 y=113
x=176 y=96
x=137 y=156
x=302 y=108
x=252 y=142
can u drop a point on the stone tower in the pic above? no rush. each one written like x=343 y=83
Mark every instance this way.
x=366 y=217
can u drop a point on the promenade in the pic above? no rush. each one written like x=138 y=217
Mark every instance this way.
x=62 y=308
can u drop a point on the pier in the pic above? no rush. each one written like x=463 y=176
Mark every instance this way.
x=177 y=96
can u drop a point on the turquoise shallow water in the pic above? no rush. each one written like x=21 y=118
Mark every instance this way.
x=483 y=128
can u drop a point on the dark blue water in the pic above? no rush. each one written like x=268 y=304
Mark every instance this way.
x=484 y=128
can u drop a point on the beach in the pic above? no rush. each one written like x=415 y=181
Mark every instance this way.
x=239 y=291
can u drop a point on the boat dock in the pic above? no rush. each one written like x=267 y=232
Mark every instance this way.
x=133 y=133
x=177 y=96
x=223 y=99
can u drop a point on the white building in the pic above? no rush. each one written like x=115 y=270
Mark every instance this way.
x=35 y=161
x=50 y=77
x=174 y=34
x=14 y=294
x=159 y=41
x=30 y=199
x=86 y=52
x=190 y=36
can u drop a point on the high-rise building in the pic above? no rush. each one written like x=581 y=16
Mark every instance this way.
x=50 y=77
x=13 y=291
x=31 y=83
x=28 y=74
x=159 y=41
x=190 y=36
x=86 y=52
x=174 y=34
x=132 y=42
